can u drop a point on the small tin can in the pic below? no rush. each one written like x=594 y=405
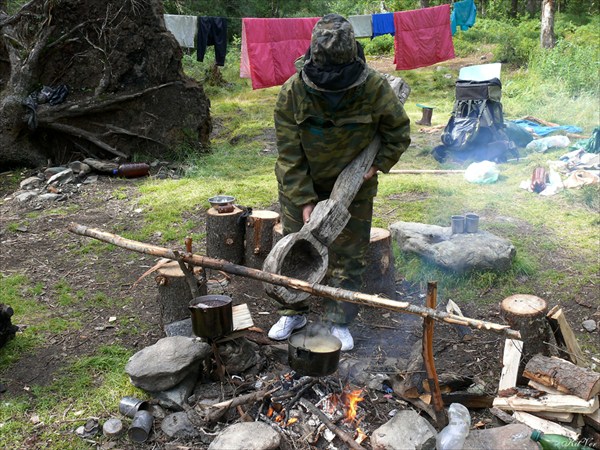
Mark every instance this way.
x=140 y=426
x=458 y=224
x=472 y=223
x=128 y=406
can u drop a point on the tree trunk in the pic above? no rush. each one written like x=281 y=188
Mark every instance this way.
x=514 y=8
x=547 y=37
x=532 y=7
x=126 y=87
x=424 y=3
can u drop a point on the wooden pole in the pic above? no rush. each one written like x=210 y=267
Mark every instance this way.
x=318 y=290
x=432 y=378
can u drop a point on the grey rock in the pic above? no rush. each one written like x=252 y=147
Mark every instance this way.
x=31 y=183
x=50 y=196
x=25 y=196
x=457 y=252
x=178 y=425
x=407 y=430
x=247 y=436
x=589 y=325
x=90 y=179
x=113 y=428
x=64 y=177
x=239 y=355
x=179 y=328
x=101 y=166
x=163 y=365
x=51 y=171
x=176 y=397
x=509 y=437
x=80 y=168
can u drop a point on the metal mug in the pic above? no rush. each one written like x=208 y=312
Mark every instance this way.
x=471 y=223
x=128 y=406
x=458 y=224
x=140 y=426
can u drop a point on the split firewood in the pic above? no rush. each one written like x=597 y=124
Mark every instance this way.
x=504 y=417
x=469 y=399
x=546 y=426
x=521 y=392
x=564 y=336
x=593 y=420
x=511 y=359
x=464 y=333
x=548 y=402
x=293 y=283
x=564 y=376
x=212 y=413
x=346 y=439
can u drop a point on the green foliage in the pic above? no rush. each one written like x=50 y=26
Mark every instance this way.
x=379 y=45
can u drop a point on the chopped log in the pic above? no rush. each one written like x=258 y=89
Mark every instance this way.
x=7 y=329
x=526 y=313
x=564 y=376
x=564 y=337
x=380 y=276
x=504 y=417
x=510 y=363
x=174 y=294
x=432 y=379
x=464 y=333
x=556 y=416
x=549 y=402
x=259 y=237
x=346 y=439
x=546 y=426
x=224 y=235
x=470 y=400
x=315 y=289
x=593 y=420
x=277 y=233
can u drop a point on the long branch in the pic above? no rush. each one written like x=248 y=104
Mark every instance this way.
x=78 y=132
x=48 y=114
x=280 y=280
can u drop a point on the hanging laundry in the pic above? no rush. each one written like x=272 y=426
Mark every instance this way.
x=363 y=27
x=463 y=15
x=183 y=28
x=383 y=24
x=272 y=46
x=212 y=31
x=244 y=63
x=423 y=37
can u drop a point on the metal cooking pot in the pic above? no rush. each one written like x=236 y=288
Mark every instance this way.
x=212 y=316
x=314 y=355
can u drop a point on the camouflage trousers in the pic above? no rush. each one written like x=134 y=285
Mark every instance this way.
x=346 y=258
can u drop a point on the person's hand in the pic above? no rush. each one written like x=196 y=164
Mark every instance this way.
x=372 y=171
x=307 y=211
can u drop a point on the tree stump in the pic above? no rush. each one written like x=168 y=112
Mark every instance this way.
x=259 y=237
x=7 y=329
x=380 y=275
x=174 y=294
x=527 y=314
x=225 y=235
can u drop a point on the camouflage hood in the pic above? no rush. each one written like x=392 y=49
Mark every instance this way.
x=335 y=61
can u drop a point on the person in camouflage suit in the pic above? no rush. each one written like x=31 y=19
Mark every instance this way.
x=325 y=115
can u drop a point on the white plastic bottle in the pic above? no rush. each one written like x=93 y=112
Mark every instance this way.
x=453 y=436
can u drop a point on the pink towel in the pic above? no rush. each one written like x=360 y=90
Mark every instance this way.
x=272 y=46
x=423 y=37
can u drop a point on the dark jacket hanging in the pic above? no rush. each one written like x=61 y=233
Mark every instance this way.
x=212 y=31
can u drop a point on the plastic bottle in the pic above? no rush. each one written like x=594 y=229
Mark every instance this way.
x=132 y=170
x=453 y=436
x=556 y=442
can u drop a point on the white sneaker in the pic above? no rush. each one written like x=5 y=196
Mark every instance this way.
x=343 y=334
x=284 y=327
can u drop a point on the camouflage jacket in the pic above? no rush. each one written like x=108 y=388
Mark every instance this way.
x=316 y=141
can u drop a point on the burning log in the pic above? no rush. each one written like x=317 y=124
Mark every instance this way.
x=280 y=280
x=333 y=427
x=214 y=412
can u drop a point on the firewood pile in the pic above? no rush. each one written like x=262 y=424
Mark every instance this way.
x=549 y=393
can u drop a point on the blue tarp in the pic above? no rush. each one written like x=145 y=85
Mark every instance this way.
x=542 y=130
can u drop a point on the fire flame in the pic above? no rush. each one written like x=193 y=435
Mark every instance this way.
x=292 y=421
x=351 y=399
